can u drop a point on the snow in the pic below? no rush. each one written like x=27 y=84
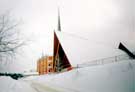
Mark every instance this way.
x=8 y=84
x=30 y=73
x=81 y=50
x=130 y=44
x=115 y=77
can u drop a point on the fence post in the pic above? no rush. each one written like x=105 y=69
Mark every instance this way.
x=102 y=61
x=115 y=58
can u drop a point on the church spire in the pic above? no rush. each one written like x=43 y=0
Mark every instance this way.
x=59 y=24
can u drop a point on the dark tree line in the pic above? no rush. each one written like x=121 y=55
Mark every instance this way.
x=12 y=75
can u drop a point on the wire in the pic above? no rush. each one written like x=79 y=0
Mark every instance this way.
x=92 y=40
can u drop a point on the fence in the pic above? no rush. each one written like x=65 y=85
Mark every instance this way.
x=105 y=61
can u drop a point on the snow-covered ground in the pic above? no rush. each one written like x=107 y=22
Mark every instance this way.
x=8 y=84
x=114 y=77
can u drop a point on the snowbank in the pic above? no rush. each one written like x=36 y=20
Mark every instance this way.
x=115 y=77
x=8 y=84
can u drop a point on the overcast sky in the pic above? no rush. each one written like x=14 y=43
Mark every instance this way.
x=79 y=17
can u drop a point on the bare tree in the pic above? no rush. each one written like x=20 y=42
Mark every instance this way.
x=9 y=38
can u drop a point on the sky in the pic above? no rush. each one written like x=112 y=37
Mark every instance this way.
x=99 y=19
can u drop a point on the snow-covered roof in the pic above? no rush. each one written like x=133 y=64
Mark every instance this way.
x=81 y=51
x=130 y=44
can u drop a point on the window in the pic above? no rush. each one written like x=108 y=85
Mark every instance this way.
x=50 y=70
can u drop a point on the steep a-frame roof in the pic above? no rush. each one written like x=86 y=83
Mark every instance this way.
x=80 y=51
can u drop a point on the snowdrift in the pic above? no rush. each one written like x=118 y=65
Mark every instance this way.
x=115 y=77
x=8 y=84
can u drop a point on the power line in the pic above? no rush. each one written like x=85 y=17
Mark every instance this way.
x=92 y=40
